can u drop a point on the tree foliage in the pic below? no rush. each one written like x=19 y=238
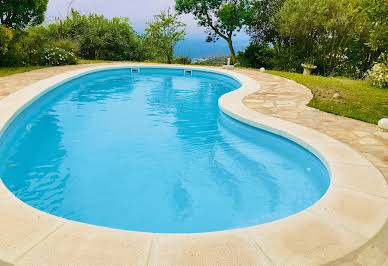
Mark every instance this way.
x=319 y=28
x=164 y=32
x=333 y=32
x=20 y=14
x=342 y=37
x=222 y=18
x=6 y=35
x=376 y=22
x=262 y=27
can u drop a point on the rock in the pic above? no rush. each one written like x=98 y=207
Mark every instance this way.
x=383 y=124
x=262 y=69
x=336 y=95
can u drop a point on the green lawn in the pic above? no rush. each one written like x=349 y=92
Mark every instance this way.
x=357 y=99
x=6 y=71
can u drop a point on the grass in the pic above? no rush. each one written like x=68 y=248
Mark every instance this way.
x=356 y=99
x=6 y=71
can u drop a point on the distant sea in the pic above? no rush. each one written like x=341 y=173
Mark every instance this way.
x=198 y=48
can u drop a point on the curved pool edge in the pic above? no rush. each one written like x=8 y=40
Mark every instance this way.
x=346 y=217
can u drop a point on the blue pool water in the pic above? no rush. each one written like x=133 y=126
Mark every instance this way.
x=152 y=152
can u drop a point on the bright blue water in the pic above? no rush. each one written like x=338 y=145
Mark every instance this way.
x=151 y=151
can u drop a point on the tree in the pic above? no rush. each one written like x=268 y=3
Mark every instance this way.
x=6 y=35
x=330 y=31
x=262 y=27
x=341 y=37
x=165 y=32
x=376 y=14
x=20 y=14
x=221 y=17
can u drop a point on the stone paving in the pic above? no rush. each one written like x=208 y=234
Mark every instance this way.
x=12 y=83
x=286 y=100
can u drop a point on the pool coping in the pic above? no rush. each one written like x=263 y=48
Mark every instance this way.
x=351 y=212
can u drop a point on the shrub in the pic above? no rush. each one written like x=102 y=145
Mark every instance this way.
x=56 y=56
x=67 y=45
x=25 y=47
x=35 y=47
x=18 y=51
x=100 y=38
x=378 y=76
x=256 y=56
x=86 y=36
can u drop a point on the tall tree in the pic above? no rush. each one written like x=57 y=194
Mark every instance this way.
x=20 y=14
x=164 y=32
x=262 y=27
x=222 y=18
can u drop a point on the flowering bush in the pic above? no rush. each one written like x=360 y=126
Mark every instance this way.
x=56 y=56
x=378 y=76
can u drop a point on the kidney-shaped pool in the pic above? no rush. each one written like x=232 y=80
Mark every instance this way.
x=149 y=150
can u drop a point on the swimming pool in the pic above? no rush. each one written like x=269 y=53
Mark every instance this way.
x=151 y=151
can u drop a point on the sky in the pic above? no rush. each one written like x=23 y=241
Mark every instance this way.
x=140 y=12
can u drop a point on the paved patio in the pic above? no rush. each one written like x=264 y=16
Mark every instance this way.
x=287 y=100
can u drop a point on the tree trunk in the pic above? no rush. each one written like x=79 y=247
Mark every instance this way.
x=232 y=53
x=170 y=54
x=227 y=37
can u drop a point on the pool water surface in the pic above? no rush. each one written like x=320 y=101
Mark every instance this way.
x=151 y=151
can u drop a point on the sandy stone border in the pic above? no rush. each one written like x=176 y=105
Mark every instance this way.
x=348 y=215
